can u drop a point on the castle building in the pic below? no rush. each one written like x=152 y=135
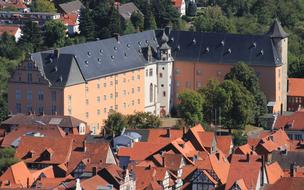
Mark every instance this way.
x=143 y=72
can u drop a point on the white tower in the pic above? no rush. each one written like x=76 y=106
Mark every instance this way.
x=164 y=76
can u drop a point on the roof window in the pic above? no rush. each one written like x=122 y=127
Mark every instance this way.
x=86 y=62
x=89 y=53
x=99 y=60
x=128 y=45
x=115 y=48
x=206 y=50
x=222 y=43
x=112 y=56
x=194 y=41
x=261 y=52
x=172 y=39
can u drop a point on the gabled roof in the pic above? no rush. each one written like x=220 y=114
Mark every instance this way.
x=294 y=183
x=276 y=30
x=243 y=169
x=127 y=9
x=11 y=30
x=295 y=121
x=61 y=148
x=274 y=172
x=288 y=158
x=94 y=182
x=224 y=143
x=71 y=7
x=295 y=87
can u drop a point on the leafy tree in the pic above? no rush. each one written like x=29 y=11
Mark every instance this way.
x=32 y=36
x=129 y=28
x=86 y=24
x=54 y=33
x=213 y=20
x=190 y=107
x=143 y=120
x=191 y=11
x=248 y=78
x=149 y=19
x=43 y=6
x=138 y=21
x=115 y=123
x=102 y=19
x=8 y=47
x=7 y=158
x=165 y=14
x=239 y=138
x=115 y=25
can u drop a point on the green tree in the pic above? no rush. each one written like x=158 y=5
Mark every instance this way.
x=32 y=36
x=8 y=47
x=191 y=11
x=43 y=6
x=149 y=19
x=86 y=24
x=190 y=107
x=7 y=158
x=143 y=120
x=115 y=25
x=213 y=20
x=129 y=28
x=54 y=33
x=239 y=138
x=137 y=20
x=115 y=123
x=248 y=78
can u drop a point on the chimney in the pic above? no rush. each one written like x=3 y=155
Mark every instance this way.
x=84 y=145
x=27 y=182
x=247 y=157
x=217 y=155
x=94 y=171
x=262 y=170
x=116 y=36
x=56 y=53
x=293 y=170
x=168 y=133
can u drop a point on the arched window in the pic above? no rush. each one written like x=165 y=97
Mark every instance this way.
x=151 y=92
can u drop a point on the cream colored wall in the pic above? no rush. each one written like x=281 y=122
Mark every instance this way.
x=121 y=92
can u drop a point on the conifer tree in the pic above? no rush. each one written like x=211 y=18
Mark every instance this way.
x=87 y=25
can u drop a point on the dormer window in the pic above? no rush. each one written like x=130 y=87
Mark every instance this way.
x=253 y=45
x=89 y=53
x=128 y=45
x=207 y=50
x=86 y=62
x=194 y=41
x=261 y=53
x=115 y=48
x=222 y=43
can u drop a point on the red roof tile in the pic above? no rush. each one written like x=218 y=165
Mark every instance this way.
x=11 y=30
x=295 y=87
x=294 y=183
x=292 y=122
x=274 y=172
x=224 y=143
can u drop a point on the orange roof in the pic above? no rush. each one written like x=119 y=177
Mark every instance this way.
x=274 y=172
x=241 y=168
x=224 y=143
x=46 y=131
x=244 y=149
x=17 y=175
x=52 y=183
x=294 y=121
x=11 y=30
x=294 y=183
x=220 y=166
x=295 y=86
x=177 y=3
x=69 y=19
x=94 y=182
x=136 y=152
x=61 y=148
x=144 y=177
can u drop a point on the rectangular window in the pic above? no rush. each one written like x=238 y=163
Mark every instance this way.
x=86 y=88
x=116 y=81
x=40 y=110
x=29 y=95
x=132 y=77
x=124 y=105
x=188 y=84
x=98 y=86
x=105 y=110
x=198 y=72
x=138 y=101
x=132 y=102
x=18 y=108
x=164 y=93
x=111 y=83
x=199 y=84
x=18 y=94
x=29 y=108
x=124 y=92
x=105 y=97
x=132 y=90
x=87 y=114
x=29 y=77
x=87 y=101
x=104 y=84
x=177 y=83
x=116 y=107
x=138 y=77
x=54 y=109
x=124 y=80
x=177 y=71
x=98 y=111
x=54 y=96
x=98 y=99
x=111 y=95
x=111 y=108
x=116 y=94
x=40 y=96
x=147 y=72
x=150 y=72
x=138 y=89
x=70 y=111
x=160 y=75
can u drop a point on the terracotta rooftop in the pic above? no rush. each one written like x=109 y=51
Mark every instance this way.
x=295 y=121
x=224 y=143
x=37 y=150
x=296 y=87
x=13 y=138
x=294 y=183
x=70 y=19
x=274 y=172
x=11 y=30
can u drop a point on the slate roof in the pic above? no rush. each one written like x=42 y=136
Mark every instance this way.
x=285 y=160
x=223 y=48
x=82 y=62
x=126 y=10
x=71 y=7
x=276 y=30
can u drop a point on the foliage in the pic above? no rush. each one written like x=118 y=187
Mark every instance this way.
x=213 y=20
x=7 y=158
x=129 y=28
x=229 y=103
x=87 y=26
x=190 y=107
x=239 y=138
x=191 y=11
x=43 y=6
x=115 y=123
x=138 y=21
x=54 y=33
x=8 y=47
x=32 y=36
x=149 y=19
x=248 y=78
x=143 y=120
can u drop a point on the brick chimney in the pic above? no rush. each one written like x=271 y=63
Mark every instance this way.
x=168 y=133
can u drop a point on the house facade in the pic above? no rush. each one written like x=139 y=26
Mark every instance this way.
x=143 y=72
x=295 y=99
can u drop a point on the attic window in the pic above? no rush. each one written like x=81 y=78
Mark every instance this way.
x=86 y=62
x=194 y=41
x=206 y=50
x=89 y=53
x=178 y=48
x=172 y=39
x=128 y=45
x=55 y=69
x=112 y=56
x=261 y=53
x=222 y=43
x=60 y=79
x=253 y=45
x=228 y=51
x=99 y=60
x=100 y=51
x=115 y=48
x=139 y=43
x=147 y=42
